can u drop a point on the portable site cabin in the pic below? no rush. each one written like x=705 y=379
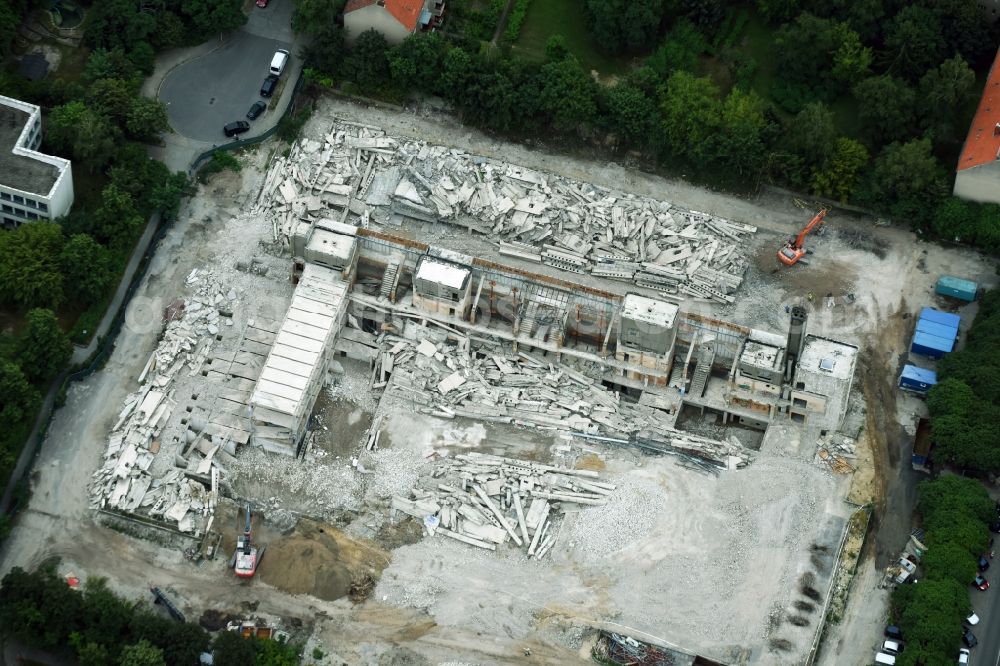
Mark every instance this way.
x=938 y=317
x=954 y=287
x=917 y=380
x=932 y=346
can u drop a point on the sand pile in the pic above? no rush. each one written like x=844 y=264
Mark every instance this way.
x=320 y=560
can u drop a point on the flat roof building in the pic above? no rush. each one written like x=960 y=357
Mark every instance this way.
x=33 y=185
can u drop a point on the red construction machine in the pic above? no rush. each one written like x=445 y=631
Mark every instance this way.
x=247 y=557
x=793 y=249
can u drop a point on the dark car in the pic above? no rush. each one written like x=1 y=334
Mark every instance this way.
x=894 y=632
x=255 y=110
x=984 y=563
x=981 y=583
x=270 y=83
x=995 y=526
x=238 y=127
x=969 y=639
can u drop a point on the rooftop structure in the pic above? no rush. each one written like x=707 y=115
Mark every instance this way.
x=395 y=19
x=296 y=366
x=978 y=170
x=822 y=384
x=33 y=185
x=448 y=275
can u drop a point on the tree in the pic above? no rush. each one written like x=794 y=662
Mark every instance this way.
x=739 y=145
x=457 y=74
x=690 y=113
x=778 y=11
x=567 y=94
x=886 y=107
x=417 y=62
x=954 y=493
x=120 y=23
x=142 y=653
x=18 y=399
x=29 y=260
x=914 y=42
x=37 y=608
x=95 y=141
x=311 y=16
x=367 y=61
x=706 y=14
x=631 y=113
x=680 y=50
x=166 y=195
x=965 y=28
x=624 y=25
x=944 y=90
x=949 y=561
x=842 y=171
x=930 y=617
x=909 y=174
x=111 y=98
x=211 y=17
x=117 y=221
x=955 y=219
x=9 y=22
x=822 y=55
x=231 y=649
x=86 y=267
x=108 y=64
x=89 y=653
x=812 y=134
x=43 y=350
x=147 y=119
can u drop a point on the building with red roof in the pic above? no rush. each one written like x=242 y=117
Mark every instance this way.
x=395 y=19
x=978 y=172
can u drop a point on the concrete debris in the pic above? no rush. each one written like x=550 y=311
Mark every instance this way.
x=480 y=499
x=527 y=390
x=187 y=493
x=534 y=216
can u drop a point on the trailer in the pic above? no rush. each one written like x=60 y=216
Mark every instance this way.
x=917 y=380
x=955 y=287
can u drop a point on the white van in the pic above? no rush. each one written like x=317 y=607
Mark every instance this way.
x=279 y=61
x=883 y=658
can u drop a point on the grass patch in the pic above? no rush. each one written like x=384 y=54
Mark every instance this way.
x=546 y=18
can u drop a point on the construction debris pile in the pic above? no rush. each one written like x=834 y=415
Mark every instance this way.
x=534 y=216
x=125 y=482
x=483 y=500
x=450 y=380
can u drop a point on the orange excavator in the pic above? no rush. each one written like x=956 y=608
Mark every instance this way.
x=793 y=249
x=247 y=557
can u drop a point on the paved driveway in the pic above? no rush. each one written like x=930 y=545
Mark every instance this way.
x=217 y=88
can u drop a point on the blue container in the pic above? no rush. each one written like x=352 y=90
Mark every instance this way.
x=951 y=286
x=938 y=317
x=937 y=330
x=917 y=379
x=926 y=344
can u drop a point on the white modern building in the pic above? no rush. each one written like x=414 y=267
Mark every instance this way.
x=33 y=185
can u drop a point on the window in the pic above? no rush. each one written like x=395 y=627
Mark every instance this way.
x=18 y=199
x=798 y=402
x=44 y=207
x=30 y=203
x=8 y=209
x=4 y=196
x=32 y=216
x=800 y=386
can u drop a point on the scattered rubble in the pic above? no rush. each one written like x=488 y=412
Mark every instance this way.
x=483 y=500
x=534 y=216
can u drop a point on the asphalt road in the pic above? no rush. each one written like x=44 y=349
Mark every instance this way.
x=987 y=606
x=208 y=92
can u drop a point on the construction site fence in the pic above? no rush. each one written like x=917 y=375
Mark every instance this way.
x=254 y=140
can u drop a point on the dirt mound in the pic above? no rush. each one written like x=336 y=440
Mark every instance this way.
x=320 y=560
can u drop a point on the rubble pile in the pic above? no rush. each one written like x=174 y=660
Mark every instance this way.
x=125 y=482
x=523 y=389
x=483 y=500
x=535 y=216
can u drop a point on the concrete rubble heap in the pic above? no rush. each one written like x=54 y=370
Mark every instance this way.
x=523 y=389
x=534 y=216
x=186 y=495
x=485 y=500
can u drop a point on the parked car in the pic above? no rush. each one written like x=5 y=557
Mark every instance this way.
x=262 y=3
x=270 y=83
x=238 y=127
x=995 y=527
x=256 y=109
x=894 y=632
x=984 y=563
x=279 y=61
x=963 y=656
x=892 y=647
x=981 y=583
x=970 y=639
x=886 y=659
x=972 y=620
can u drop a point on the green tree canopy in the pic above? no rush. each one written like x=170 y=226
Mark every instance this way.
x=624 y=25
x=945 y=90
x=29 y=265
x=739 y=144
x=887 y=107
x=146 y=119
x=908 y=178
x=142 y=653
x=690 y=112
x=914 y=42
x=43 y=350
x=567 y=94
x=842 y=172
x=812 y=134
x=86 y=267
x=631 y=113
x=949 y=561
x=367 y=61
